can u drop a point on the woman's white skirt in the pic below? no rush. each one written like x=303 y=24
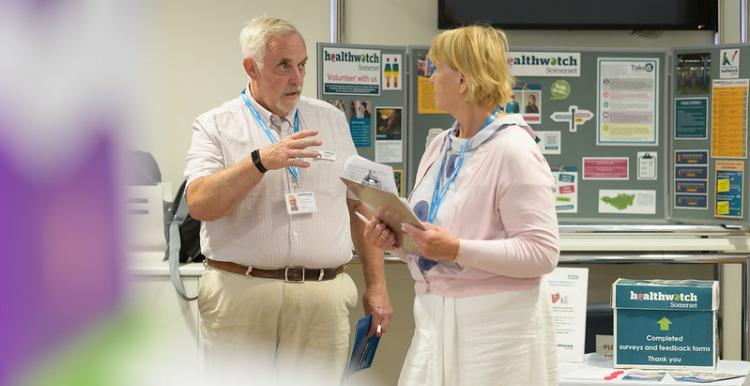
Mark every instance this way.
x=499 y=339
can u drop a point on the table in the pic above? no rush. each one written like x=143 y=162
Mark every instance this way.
x=597 y=363
x=628 y=257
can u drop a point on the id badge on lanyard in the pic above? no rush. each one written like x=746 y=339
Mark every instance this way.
x=297 y=203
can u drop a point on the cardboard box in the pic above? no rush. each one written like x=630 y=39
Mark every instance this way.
x=665 y=324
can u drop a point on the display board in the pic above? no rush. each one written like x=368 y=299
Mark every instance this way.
x=601 y=116
x=632 y=136
x=368 y=83
x=707 y=179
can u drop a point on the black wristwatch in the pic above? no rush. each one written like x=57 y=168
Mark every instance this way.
x=255 y=155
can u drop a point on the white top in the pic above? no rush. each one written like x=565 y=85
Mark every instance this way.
x=501 y=207
x=259 y=232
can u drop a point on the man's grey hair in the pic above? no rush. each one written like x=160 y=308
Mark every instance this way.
x=256 y=33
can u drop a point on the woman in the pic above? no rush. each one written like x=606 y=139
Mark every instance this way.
x=485 y=195
x=531 y=107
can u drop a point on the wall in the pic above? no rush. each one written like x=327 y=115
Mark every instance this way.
x=191 y=63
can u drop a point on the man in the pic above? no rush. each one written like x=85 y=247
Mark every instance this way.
x=273 y=297
x=512 y=106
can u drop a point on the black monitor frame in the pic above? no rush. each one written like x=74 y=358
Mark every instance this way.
x=517 y=14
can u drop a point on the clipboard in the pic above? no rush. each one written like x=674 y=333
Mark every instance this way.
x=389 y=208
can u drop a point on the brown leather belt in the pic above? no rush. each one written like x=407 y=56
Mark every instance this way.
x=289 y=274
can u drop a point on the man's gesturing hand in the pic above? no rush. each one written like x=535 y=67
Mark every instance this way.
x=285 y=152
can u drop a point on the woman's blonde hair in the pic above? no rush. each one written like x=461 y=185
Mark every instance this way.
x=480 y=54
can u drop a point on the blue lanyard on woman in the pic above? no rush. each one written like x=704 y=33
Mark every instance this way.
x=293 y=170
x=438 y=194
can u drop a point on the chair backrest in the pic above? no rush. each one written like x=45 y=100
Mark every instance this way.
x=142 y=168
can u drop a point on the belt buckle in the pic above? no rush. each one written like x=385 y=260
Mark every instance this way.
x=286 y=275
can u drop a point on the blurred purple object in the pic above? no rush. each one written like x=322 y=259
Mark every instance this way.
x=61 y=251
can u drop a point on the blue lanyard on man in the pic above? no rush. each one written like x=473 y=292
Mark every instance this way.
x=439 y=193
x=293 y=170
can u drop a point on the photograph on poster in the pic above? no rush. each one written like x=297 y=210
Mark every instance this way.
x=527 y=100
x=693 y=74
x=360 y=122
x=398 y=175
x=341 y=105
x=512 y=107
x=531 y=102
x=425 y=89
x=360 y=109
x=388 y=123
x=425 y=67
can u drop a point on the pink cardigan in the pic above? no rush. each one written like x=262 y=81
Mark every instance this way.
x=504 y=217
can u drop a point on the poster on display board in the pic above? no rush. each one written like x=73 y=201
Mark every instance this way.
x=729 y=118
x=627 y=97
x=351 y=71
x=647 y=165
x=729 y=189
x=605 y=168
x=690 y=184
x=392 y=65
x=693 y=74
x=566 y=189
x=545 y=64
x=358 y=113
x=425 y=90
x=691 y=118
x=530 y=96
x=388 y=135
x=729 y=64
x=574 y=117
x=627 y=201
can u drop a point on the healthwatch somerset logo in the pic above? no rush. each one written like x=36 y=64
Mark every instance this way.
x=351 y=57
x=557 y=64
x=659 y=296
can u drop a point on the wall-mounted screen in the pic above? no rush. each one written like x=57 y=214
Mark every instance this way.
x=581 y=14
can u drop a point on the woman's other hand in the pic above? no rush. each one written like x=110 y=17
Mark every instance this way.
x=434 y=242
x=378 y=234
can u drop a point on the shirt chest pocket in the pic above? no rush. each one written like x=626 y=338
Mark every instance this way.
x=322 y=177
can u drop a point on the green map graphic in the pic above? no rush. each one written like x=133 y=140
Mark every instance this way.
x=621 y=201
